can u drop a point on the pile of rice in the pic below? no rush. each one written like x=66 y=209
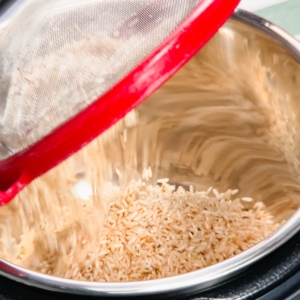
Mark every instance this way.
x=151 y=231
x=157 y=231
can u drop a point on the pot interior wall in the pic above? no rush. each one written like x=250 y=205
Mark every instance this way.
x=228 y=119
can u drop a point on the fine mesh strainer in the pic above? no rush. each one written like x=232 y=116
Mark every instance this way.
x=69 y=69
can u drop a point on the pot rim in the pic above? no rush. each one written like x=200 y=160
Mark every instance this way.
x=196 y=280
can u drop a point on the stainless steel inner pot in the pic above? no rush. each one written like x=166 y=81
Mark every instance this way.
x=207 y=126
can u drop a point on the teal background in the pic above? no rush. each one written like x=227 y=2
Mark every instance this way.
x=286 y=15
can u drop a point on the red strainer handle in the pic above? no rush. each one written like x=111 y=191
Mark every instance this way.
x=19 y=170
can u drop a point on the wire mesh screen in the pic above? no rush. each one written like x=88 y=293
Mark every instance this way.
x=58 y=56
